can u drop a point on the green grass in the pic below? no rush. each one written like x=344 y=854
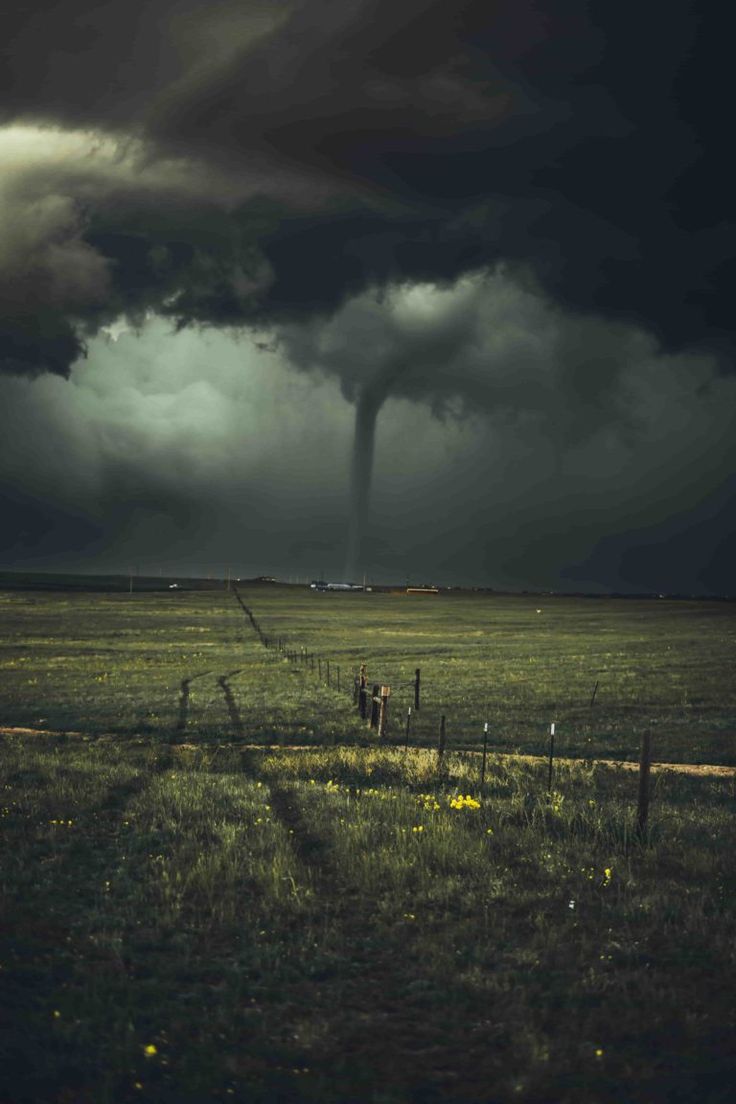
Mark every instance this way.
x=116 y=663
x=285 y=930
x=192 y=910
x=665 y=666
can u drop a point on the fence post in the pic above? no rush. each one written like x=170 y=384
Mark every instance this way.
x=328 y=672
x=383 y=716
x=551 y=755
x=417 y=675
x=595 y=691
x=408 y=727
x=483 y=761
x=375 y=702
x=642 y=813
x=319 y=662
x=362 y=693
x=441 y=744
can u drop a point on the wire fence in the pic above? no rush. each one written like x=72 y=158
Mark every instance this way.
x=371 y=700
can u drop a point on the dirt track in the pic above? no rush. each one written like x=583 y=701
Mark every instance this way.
x=717 y=769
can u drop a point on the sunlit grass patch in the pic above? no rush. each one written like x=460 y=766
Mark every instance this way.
x=207 y=841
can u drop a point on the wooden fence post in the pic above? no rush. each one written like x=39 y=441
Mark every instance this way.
x=441 y=744
x=551 y=755
x=595 y=691
x=383 y=715
x=362 y=693
x=375 y=702
x=483 y=761
x=328 y=672
x=319 y=661
x=417 y=675
x=408 y=727
x=645 y=763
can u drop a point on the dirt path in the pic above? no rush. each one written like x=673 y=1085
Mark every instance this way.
x=621 y=764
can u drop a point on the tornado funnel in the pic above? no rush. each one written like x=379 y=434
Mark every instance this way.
x=361 y=474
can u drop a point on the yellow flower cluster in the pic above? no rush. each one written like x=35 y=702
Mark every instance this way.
x=428 y=802
x=607 y=876
x=62 y=823
x=467 y=802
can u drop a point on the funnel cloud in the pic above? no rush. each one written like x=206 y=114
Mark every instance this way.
x=361 y=474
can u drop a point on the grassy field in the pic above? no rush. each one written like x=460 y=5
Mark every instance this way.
x=186 y=916
x=521 y=662
x=153 y=664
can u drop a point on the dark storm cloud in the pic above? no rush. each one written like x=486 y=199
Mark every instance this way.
x=197 y=448
x=277 y=159
x=490 y=344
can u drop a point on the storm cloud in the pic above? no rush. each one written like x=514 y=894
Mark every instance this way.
x=198 y=450
x=503 y=231
x=268 y=161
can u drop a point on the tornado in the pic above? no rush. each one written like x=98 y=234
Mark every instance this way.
x=367 y=407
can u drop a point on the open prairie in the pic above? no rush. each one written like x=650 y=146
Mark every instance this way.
x=217 y=884
x=154 y=663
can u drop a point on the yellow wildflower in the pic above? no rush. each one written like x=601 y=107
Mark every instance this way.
x=467 y=802
x=150 y=1050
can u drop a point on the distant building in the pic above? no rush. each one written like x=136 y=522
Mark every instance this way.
x=423 y=590
x=320 y=584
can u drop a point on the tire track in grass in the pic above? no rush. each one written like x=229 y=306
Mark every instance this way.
x=235 y=719
x=371 y=996
x=186 y=683
x=309 y=848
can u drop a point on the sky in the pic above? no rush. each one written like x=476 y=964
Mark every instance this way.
x=437 y=291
